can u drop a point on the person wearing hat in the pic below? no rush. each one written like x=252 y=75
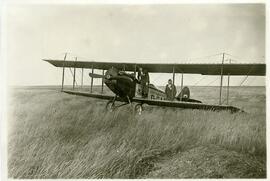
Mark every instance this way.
x=170 y=90
x=143 y=78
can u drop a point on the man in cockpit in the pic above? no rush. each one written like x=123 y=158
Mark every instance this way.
x=143 y=79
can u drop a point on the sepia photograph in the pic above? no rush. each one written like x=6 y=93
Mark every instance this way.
x=134 y=90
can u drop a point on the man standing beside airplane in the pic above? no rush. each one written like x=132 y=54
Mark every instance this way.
x=170 y=90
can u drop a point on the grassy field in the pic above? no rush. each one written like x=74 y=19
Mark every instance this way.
x=55 y=135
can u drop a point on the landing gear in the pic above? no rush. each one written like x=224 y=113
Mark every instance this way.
x=139 y=109
x=110 y=106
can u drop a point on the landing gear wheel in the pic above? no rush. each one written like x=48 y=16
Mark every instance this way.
x=139 y=109
x=110 y=106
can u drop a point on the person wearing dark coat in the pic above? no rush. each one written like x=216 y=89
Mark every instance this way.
x=139 y=76
x=143 y=78
x=170 y=90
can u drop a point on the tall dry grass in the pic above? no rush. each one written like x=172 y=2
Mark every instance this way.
x=55 y=135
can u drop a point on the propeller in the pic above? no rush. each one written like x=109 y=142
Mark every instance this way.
x=96 y=75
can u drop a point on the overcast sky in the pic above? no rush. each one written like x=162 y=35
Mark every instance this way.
x=129 y=33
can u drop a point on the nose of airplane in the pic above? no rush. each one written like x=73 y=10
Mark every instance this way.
x=110 y=73
x=119 y=84
x=109 y=80
x=108 y=76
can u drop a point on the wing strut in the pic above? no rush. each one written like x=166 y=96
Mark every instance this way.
x=173 y=74
x=102 y=83
x=91 y=89
x=135 y=67
x=82 y=79
x=182 y=81
x=221 y=79
x=74 y=75
x=228 y=86
x=63 y=73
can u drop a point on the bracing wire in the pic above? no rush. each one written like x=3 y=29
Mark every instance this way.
x=237 y=57
x=88 y=59
x=245 y=78
x=223 y=101
x=252 y=80
x=207 y=56
x=67 y=77
x=58 y=55
x=72 y=76
x=157 y=78
x=199 y=80
x=80 y=57
x=212 y=81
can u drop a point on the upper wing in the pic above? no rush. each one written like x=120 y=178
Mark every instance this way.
x=185 y=105
x=204 y=69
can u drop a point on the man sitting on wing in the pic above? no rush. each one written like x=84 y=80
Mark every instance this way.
x=170 y=90
x=184 y=95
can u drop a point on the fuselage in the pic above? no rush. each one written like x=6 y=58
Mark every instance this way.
x=126 y=85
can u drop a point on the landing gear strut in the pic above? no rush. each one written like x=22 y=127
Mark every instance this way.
x=139 y=109
x=110 y=106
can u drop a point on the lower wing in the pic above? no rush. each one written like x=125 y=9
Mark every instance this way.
x=86 y=94
x=163 y=103
x=186 y=105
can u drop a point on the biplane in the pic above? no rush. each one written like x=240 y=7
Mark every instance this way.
x=127 y=89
